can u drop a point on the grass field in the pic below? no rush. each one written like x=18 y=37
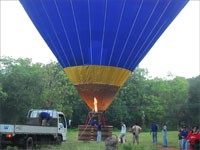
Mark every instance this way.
x=145 y=142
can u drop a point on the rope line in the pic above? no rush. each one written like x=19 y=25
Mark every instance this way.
x=141 y=33
x=54 y=33
x=131 y=30
x=116 y=35
x=77 y=31
x=66 y=36
x=102 y=43
x=139 y=51
x=90 y=32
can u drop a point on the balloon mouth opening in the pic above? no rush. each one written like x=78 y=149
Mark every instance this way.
x=98 y=97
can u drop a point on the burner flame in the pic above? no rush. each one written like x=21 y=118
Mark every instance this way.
x=95 y=105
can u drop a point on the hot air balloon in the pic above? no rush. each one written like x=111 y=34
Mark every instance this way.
x=100 y=42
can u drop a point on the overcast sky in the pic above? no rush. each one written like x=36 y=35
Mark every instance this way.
x=176 y=52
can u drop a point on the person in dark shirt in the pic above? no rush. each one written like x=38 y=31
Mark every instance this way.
x=99 y=128
x=154 y=129
x=183 y=134
x=45 y=117
x=94 y=122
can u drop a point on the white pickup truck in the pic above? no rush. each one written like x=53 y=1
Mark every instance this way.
x=32 y=133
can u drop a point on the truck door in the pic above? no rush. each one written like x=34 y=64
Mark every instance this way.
x=62 y=126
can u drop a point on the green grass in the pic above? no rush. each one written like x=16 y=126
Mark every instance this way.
x=145 y=142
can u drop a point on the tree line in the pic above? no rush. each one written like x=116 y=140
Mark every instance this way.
x=25 y=85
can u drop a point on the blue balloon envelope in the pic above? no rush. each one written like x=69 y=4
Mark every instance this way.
x=100 y=42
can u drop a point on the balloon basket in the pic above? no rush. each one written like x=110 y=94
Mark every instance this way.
x=88 y=132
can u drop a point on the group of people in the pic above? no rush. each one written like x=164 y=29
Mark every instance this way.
x=189 y=140
x=154 y=130
x=136 y=129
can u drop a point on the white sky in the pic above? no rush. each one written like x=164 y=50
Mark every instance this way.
x=176 y=52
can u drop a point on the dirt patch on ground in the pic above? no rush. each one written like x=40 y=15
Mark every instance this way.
x=167 y=148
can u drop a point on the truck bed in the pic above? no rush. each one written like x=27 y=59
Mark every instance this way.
x=27 y=129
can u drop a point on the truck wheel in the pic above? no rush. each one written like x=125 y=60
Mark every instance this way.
x=59 y=140
x=29 y=143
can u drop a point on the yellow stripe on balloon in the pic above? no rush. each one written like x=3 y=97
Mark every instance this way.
x=97 y=75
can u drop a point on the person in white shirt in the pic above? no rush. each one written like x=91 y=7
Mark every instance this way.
x=122 y=133
x=164 y=134
x=136 y=130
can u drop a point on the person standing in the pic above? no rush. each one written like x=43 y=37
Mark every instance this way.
x=136 y=130
x=194 y=138
x=99 y=128
x=44 y=118
x=123 y=133
x=94 y=122
x=154 y=129
x=179 y=137
x=70 y=122
x=164 y=135
x=184 y=143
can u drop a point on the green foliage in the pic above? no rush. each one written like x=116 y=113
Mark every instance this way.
x=192 y=110
x=3 y=95
x=24 y=85
x=20 y=80
x=128 y=105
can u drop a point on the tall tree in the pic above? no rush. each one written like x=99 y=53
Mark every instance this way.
x=176 y=100
x=20 y=80
x=193 y=105
x=128 y=106
x=3 y=96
